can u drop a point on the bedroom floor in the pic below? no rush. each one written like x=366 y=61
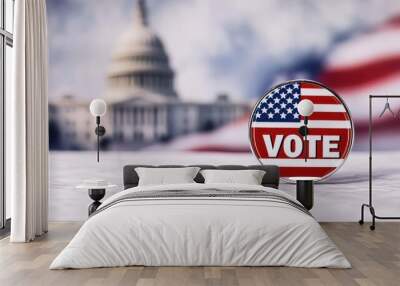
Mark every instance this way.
x=375 y=257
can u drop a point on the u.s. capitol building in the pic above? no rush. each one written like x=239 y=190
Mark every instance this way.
x=143 y=106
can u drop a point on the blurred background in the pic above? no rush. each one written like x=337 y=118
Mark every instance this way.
x=180 y=78
x=184 y=75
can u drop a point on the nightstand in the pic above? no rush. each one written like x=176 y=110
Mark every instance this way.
x=96 y=193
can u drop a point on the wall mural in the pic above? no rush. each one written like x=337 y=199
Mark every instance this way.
x=181 y=78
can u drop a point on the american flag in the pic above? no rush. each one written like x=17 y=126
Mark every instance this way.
x=277 y=116
x=364 y=63
x=368 y=63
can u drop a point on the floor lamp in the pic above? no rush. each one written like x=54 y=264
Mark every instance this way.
x=98 y=108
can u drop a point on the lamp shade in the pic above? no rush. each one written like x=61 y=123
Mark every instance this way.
x=98 y=107
x=305 y=107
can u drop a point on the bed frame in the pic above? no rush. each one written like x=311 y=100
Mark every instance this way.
x=270 y=179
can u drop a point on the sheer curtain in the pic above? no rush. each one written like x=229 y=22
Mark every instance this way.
x=27 y=124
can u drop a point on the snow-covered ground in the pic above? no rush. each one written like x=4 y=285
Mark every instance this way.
x=337 y=199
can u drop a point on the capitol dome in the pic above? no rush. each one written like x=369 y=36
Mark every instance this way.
x=140 y=64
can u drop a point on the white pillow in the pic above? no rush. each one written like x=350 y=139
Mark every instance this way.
x=248 y=177
x=164 y=176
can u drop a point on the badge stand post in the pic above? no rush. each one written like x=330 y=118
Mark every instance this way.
x=370 y=205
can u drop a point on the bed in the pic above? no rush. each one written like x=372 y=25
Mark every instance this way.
x=198 y=224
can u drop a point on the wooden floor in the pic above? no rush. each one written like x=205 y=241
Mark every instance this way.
x=375 y=257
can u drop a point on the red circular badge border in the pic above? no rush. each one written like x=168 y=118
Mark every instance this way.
x=317 y=83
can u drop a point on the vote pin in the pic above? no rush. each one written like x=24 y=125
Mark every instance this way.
x=303 y=127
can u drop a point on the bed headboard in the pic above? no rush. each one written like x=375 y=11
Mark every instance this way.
x=270 y=179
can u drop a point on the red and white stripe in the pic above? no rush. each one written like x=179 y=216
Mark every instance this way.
x=330 y=117
x=329 y=111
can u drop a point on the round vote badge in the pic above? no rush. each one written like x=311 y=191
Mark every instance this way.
x=304 y=128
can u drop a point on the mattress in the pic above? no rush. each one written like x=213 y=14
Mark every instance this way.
x=201 y=225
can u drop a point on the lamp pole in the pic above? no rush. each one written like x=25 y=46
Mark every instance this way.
x=305 y=185
x=100 y=131
x=98 y=137
x=305 y=137
x=98 y=108
x=305 y=108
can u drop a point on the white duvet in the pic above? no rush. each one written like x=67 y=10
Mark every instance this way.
x=200 y=231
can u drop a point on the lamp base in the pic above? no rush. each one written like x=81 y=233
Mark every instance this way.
x=96 y=195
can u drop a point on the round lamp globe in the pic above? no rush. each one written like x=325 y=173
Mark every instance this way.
x=305 y=107
x=98 y=107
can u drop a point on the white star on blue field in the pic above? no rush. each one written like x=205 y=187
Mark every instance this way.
x=279 y=105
